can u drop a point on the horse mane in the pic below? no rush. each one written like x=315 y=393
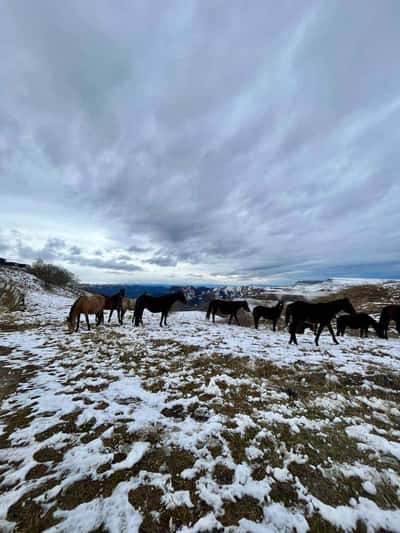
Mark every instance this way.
x=73 y=309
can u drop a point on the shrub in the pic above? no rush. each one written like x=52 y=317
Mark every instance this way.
x=53 y=275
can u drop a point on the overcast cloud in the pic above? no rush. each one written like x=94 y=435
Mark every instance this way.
x=201 y=141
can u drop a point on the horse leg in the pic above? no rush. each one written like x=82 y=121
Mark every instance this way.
x=77 y=322
x=119 y=316
x=256 y=319
x=87 y=321
x=230 y=319
x=274 y=324
x=385 y=328
x=320 y=328
x=237 y=320
x=162 y=316
x=213 y=315
x=292 y=331
x=165 y=318
x=330 y=328
x=110 y=314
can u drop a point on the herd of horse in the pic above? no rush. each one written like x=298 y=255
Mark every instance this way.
x=299 y=315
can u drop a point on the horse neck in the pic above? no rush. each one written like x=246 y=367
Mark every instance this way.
x=337 y=305
x=174 y=297
x=73 y=311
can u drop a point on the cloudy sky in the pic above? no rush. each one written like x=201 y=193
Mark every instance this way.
x=206 y=141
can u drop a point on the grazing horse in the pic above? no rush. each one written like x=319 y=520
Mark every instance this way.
x=389 y=313
x=321 y=313
x=270 y=313
x=92 y=304
x=114 y=302
x=360 y=321
x=226 y=307
x=128 y=304
x=157 y=304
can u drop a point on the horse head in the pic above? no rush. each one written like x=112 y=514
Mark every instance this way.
x=70 y=324
x=246 y=306
x=181 y=297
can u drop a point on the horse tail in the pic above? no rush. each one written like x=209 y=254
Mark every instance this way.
x=72 y=310
x=210 y=305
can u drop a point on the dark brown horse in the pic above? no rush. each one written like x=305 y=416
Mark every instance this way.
x=157 y=304
x=389 y=313
x=226 y=307
x=361 y=321
x=269 y=313
x=114 y=303
x=321 y=313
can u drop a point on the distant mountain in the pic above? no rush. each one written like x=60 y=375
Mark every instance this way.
x=132 y=291
x=199 y=296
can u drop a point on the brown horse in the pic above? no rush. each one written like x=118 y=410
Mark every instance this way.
x=270 y=313
x=92 y=304
x=389 y=313
x=128 y=304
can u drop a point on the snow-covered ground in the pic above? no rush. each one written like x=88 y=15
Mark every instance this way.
x=193 y=427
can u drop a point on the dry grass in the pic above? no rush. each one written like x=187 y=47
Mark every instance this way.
x=366 y=298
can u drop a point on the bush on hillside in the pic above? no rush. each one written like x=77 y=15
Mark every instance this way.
x=53 y=275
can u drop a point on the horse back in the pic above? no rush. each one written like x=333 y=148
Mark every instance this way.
x=302 y=310
x=93 y=303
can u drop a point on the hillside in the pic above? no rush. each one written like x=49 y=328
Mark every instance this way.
x=194 y=427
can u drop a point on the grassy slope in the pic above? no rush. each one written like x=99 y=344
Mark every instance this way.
x=253 y=404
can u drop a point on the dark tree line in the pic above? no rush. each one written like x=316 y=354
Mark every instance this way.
x=53 y=274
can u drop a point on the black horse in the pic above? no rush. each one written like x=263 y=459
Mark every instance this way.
x=321 y=313
x=270 y=313
x=360 y=321
x=114 y=303
x=389 y=313
x=157 y=304
x=301 y=326
x=226 y=307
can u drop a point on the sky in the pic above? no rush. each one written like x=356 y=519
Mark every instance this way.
x=201 y=142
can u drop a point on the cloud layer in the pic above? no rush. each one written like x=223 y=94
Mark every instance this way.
x=200 y=140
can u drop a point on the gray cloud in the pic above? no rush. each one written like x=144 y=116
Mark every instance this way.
x=249 y=139
x=121 y=266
